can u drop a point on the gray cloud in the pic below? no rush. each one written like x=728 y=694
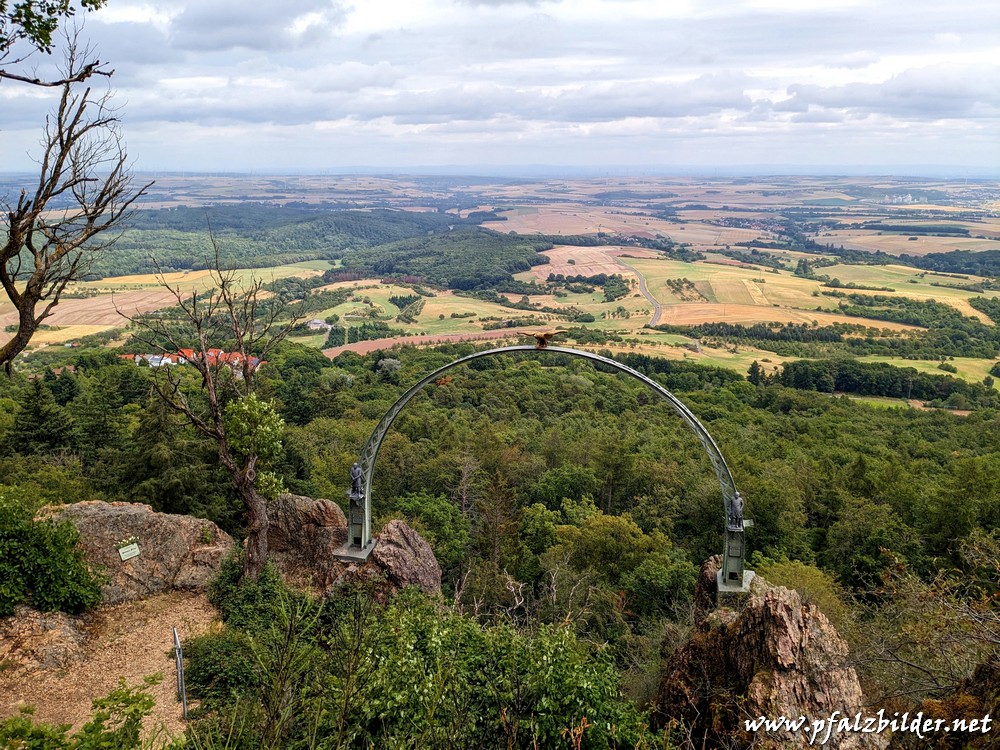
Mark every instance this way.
x=261 y=25
x=497 y=3
x=634 y=81
x=936 y=92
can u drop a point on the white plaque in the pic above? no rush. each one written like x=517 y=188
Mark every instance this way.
x=129 y=551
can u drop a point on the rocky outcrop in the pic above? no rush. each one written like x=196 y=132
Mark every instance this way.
x=303 y=537
x=400 y=557
x=175 y=552
x=765 y=654
x=181 y=552
x=405 y=558
x=32 y=640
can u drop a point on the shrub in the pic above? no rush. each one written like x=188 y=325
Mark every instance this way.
x=40 y=563
x=116 y=724
x=250 y=604
x=220 y=666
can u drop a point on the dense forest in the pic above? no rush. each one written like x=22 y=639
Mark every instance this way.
x=464 y=259
x=441 y=249
x=258 y=235
x=943 y=331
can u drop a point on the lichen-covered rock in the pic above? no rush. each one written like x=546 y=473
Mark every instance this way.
x=406 y=558
x=400 y=557
x=32 y=640
x=770 y=655
x=175 y=552
x=303 y=537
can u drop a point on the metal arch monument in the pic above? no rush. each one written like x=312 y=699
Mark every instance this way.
x=732 y=577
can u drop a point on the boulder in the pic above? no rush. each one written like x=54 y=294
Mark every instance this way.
x=303 y=537
x=175 y=552
x=33 y=640
x=405 y=558
x=766 y=654
x=400 y=557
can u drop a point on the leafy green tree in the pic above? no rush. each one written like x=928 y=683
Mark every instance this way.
x=64 y=387
x=100 y=425
x=866 y=541
x=538 y=528
x=447 y=528
x=247 y=325
x=35 y=21
x=663 y=579
x=168 y=465
x=566 y=481
x=647 y=566
x=253 y=432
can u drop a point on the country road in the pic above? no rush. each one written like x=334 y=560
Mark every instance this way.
x=657 y=307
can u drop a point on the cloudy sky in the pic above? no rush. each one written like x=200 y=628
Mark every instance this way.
x=616 y=85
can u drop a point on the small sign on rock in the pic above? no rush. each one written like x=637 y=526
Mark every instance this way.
x=129 y=551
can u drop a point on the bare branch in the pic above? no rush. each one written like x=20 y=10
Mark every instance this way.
x=90 y=69
x=83 y=197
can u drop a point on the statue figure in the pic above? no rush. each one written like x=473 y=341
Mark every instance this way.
x=356 y=477
x=736 y=512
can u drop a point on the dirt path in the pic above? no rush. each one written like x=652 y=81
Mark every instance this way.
x=363 y=347
x=129 y=640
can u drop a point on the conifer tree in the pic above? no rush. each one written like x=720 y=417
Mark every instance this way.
x=41 y=425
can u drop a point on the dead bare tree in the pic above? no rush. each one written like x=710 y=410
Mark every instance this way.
x=27 y=28
x=225 y=334
x=83 y=195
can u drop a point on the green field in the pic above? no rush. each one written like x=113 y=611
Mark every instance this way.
x=191 y=280
x=913 y=283
x=973 y=370
x=881 y=402
x=728 y=292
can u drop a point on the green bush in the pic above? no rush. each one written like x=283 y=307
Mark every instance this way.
x=40 y=563
x=220 y=666
x=115 y=725
x=439 y=679
x=249 y=604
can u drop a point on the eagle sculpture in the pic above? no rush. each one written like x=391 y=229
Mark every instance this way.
x=541 y=338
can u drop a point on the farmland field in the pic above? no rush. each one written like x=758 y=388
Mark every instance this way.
x=570 y=260
x=973 y=370
x=898 y=244
x=575 y=219
x=692 y=250
x=188 y=281
x=913 y=283
x=82 y=316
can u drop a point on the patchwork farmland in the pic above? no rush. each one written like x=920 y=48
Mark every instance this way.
x=690 y=252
